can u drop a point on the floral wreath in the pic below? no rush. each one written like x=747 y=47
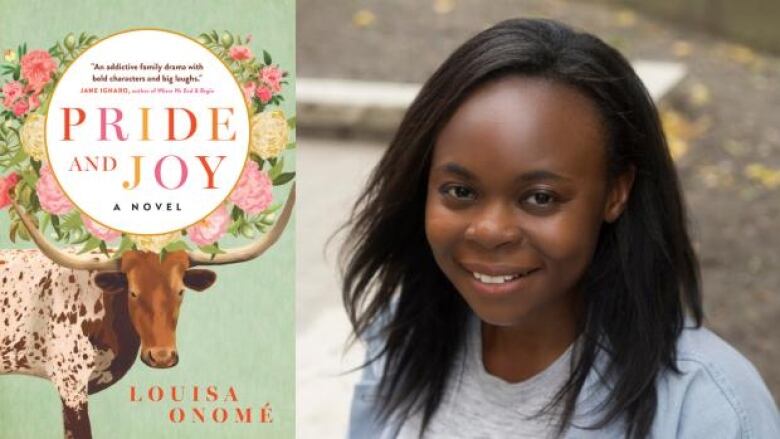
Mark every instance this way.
x=30 y=78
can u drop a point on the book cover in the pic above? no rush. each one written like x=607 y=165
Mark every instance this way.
x=147 y=180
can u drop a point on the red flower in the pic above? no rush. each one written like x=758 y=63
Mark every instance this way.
x=7 y=183
x=37 y=68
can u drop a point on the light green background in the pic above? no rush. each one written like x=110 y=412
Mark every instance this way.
x=240 y=332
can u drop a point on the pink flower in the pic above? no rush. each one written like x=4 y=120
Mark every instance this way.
x=20 y=107
x=253 y=192
x=272 y=77
x=264 y=94
x=6 y=184
x=37 y=68
x=210 y=229
x=51 y=196
x=98 y=230
x=12 y=91
x=33 y=101
x=240 y=53
x=249 y=90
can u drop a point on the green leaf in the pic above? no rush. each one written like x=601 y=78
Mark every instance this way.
x=236 y=213
x=124 y=245
x=177 y=246
x=267 y=58
x=45 y=220
x=19 y=157
x=284 y=178
x=277 y=169
x=291 y=122
x=212 y=249
x=55 y=223
x=257 y=160
x=71 y=221
x=274 y=207
x=91 y=244
x=104 y=248
x=30 y=178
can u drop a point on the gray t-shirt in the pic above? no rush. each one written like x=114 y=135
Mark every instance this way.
x=479 y=405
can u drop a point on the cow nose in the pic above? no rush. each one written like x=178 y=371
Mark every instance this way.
x=163 y=357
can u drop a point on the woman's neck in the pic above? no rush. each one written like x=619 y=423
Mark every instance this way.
x=516 y=353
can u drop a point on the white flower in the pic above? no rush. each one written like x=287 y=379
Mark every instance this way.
x=269 y=134
x=32 y=136
x=154 y=243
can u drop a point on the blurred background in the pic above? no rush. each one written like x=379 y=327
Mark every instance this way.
x=714 y=69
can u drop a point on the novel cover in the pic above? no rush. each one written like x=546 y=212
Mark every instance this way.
x=147 y=186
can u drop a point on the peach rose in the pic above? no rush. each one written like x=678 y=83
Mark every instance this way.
x=51 y=196
x=264 y=94
x=253 y=192
x=11 y=92
x=272 y=77
x=37 y=68
x=98 y=230
x=240 y=53
x=210 y=229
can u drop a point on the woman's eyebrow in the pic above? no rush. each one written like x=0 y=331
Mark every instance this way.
x=538 y=175
x=456 y=169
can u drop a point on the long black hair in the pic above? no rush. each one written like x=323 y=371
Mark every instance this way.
x=643 y=279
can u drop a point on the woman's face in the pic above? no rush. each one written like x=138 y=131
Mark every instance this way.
x=516 y=197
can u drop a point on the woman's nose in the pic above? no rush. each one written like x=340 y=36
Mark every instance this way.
x=494 y=226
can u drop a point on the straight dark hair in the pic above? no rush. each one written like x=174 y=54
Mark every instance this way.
x=641 y=283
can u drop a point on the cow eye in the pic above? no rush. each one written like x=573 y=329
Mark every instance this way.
x=133 y=294
x=181 y=293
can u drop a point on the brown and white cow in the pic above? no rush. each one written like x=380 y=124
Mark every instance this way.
x=80 y=321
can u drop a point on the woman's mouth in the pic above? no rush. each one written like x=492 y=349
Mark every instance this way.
x=487 y=279
x=498 y=279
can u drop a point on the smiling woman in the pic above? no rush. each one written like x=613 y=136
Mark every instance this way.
x=536 y=279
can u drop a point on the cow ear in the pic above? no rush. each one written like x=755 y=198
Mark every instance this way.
x=199 y=279
x=111 y=281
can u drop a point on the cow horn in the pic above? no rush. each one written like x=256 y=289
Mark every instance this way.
x=252 y=250
x=60 y=257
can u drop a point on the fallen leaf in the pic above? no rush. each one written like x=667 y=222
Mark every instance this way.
x=625 y=18
x=680 y=131
x=763 y=175
x=700 y=94
x=443 y=7
x=363 y=18
x=741 y=54
x=715 y=176
x=735 y=148
x=681 y=48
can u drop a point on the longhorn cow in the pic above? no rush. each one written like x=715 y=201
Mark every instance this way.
x=80 y=321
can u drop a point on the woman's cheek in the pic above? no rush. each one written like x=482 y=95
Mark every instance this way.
x=565 y=242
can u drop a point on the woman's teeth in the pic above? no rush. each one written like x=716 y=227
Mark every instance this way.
x=484 y=278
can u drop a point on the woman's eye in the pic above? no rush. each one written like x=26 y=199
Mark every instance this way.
x=133 y=294
x=459 y=192
x=540 y=199
x=181 y=293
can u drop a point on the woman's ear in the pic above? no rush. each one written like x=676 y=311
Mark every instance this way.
x=617 y=198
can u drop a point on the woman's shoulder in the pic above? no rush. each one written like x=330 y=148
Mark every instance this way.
x=716 y=391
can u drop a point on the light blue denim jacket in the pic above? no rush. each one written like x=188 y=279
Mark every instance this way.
x=718 y=394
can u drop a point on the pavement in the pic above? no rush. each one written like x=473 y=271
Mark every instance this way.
x=330 y=174
x=359 y=108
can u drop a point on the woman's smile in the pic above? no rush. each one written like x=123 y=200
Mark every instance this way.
x=498 y=279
